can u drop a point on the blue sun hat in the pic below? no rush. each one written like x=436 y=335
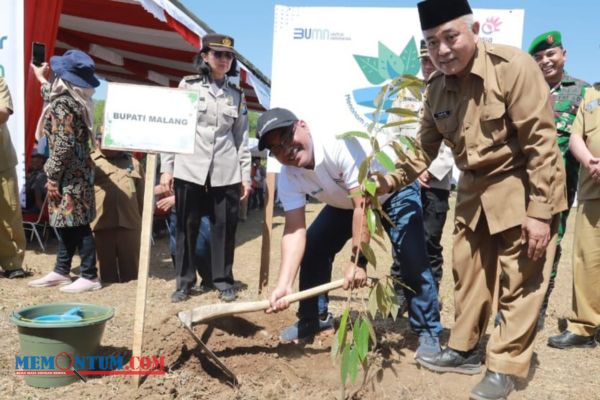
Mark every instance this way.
x=75 y=67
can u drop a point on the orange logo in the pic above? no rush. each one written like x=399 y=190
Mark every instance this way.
x=227 y=42
x=550 y=39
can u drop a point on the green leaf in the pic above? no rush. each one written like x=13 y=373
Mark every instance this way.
x=353 y=134
x=403 y=112
x=341 y=333
x=379 y=243
x=335 y=347
x=416 y=92
x=369 y=254
x=399 y=150
x=385 y=161
x=382 y=304
x=373 y=305
x=405 y=140
x=345 y=365
x=370 y=68
x=402 y=122
x=354 y=363
x=362 y=340
x=356 y=193
x=370 y=186
x=378 y=101
x=372 y=334
x=363 y=169
x=379 y=231
x=371 y=221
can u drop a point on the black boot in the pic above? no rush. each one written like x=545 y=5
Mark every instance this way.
x=450 y=360
x=569 y=340
x=493 y=386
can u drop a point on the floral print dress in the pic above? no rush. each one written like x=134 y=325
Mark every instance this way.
x=69 y=164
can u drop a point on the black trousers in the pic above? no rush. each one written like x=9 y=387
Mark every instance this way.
x=221 y=204
x=69 y=240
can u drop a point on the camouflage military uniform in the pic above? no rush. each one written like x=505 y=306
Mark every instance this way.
x=566 y=97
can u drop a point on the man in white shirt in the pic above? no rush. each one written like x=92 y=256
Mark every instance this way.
x=327 y=169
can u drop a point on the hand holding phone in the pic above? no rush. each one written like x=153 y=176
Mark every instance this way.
x=38 y=53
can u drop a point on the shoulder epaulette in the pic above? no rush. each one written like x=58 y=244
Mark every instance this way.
x=192 y=78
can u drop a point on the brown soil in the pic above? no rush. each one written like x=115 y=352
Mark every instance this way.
x=248 y=344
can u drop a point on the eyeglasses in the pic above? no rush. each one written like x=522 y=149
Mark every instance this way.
x=223 y=54
x=285 y=140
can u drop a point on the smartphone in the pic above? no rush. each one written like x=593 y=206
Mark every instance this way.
x=38 y=53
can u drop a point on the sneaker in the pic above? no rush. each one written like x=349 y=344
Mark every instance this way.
x=428 y=345
x=52 y=279
x=179 y=296
x=15 y=273
x=82 y=285
x=307 y=327
x=227 y=295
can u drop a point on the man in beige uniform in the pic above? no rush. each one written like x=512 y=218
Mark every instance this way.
x=490 y=104
x=12 y=237
x=585 y=146
x=119 y=188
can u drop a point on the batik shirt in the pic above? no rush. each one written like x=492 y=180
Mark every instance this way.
x=69 y=164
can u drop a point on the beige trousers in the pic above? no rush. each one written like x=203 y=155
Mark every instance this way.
x=586 y=269
x=477 y=256
x=118 y=251
x=12 y=236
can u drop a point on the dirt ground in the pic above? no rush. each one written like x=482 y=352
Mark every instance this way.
x=248 y=344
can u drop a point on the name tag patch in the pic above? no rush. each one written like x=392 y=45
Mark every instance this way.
x=442 y=114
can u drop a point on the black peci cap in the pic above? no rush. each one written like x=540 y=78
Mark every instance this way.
x=434 y=13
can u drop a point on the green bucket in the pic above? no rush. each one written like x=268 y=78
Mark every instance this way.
x=41 y=341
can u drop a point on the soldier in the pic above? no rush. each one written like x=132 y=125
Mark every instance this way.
x=567 y=92
x=489 y=103
x=585 y=146
x=214 y=179
x=12 y=237
x=119 y=187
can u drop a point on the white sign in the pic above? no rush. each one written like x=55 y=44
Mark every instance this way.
x=11 y=69
x=150 y=119
x=329 y=63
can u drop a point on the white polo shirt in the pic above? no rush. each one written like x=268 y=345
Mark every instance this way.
x=337 y=162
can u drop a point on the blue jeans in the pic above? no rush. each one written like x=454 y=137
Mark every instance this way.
x=202 y=242
x=333 y=227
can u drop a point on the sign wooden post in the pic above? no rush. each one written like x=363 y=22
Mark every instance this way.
x=265 y=255
x=135 y=121
x=144 y=264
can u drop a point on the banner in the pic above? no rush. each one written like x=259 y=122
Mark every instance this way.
x=329 y=63
x=135 y=121
x=11 y=69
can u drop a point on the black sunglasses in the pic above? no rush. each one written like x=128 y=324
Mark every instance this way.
x=223 y=54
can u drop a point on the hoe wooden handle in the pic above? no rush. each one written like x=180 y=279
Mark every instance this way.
x=211 y=311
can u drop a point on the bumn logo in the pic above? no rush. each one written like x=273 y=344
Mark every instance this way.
x=378 y=70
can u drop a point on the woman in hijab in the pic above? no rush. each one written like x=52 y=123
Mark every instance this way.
x=67 y=123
